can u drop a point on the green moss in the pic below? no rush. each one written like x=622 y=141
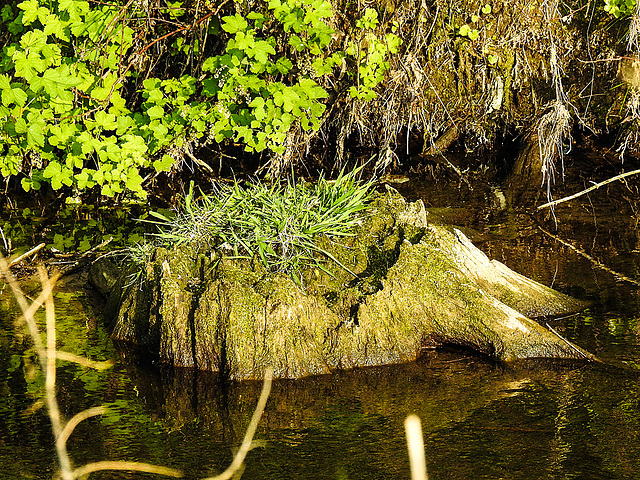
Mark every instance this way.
x=407 y=293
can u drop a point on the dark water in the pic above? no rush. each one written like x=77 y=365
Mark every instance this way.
x=481 y=419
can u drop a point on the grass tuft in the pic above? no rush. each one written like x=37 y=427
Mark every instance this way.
x=276 y=224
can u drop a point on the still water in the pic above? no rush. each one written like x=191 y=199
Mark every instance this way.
x=481 y=419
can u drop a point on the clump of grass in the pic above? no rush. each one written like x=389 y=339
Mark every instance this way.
x=277 y=224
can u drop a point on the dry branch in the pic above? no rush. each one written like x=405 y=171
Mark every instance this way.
x=595 y=261
x=416 y=448
x=591 y=188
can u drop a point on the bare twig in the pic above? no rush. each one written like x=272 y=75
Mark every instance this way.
x=416 y=448
x=73 y=423
x=591 y=188
x=27 y=254
x=581 y=352
x=596 y=262
x=129 y=466
x=61 y=430
x=251 y=430
x=85 y=362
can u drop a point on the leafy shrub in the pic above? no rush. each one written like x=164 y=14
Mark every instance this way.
x=69 y=115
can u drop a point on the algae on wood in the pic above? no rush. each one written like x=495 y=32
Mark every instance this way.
x=418 y=286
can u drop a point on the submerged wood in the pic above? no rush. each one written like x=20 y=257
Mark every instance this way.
x=418 y=286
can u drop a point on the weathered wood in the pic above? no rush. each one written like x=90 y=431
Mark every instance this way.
x=418 y=286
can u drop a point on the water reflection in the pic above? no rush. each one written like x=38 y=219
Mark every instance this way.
x=529 y=420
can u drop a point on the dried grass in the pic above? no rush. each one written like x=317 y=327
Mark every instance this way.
x=49 y=355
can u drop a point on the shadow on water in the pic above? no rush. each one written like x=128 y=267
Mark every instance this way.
x=528 y=420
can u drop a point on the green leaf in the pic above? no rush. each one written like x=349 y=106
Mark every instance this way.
x=58 y=174
x=33 y=11
x=283 y=65
x=243 y=41
x=234 y=24
x=258 y=18
x=311 y=89
x=155 y=112
x=296 y=42
x=318 y=12
x=27 y=67
x=33 y=41
x=29 y=183
x=74 y=8
x=20 y=125
x=287 y=98
x=84 y=180
x=11 y=95
x=164 y=165
x=55 y=81
x=261 y=51
x=106 y=120
x=60 y=135
x=35 y=131
x=53 y=25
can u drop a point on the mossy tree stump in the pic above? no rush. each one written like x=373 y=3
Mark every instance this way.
x=418 y=286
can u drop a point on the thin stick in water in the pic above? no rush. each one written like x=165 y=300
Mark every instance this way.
x=591 y=188
x=416 y=448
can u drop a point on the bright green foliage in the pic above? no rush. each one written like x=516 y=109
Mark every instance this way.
x=620 y=8
x=66 y=115
x=273 y=224
x=371 y=55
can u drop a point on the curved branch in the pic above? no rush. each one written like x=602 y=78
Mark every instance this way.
x=129 y=466
x=251 y=430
